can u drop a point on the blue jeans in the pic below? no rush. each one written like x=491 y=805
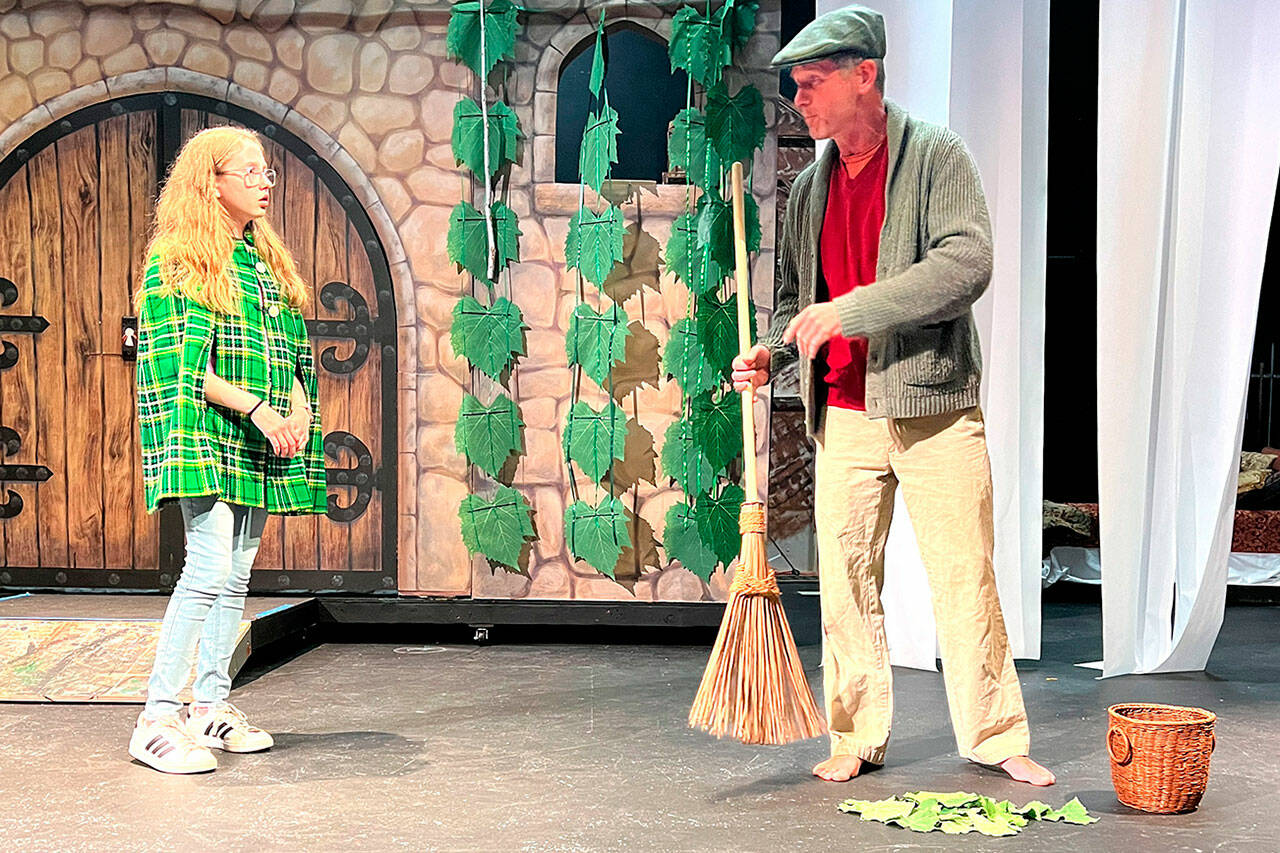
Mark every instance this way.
x=207 y=604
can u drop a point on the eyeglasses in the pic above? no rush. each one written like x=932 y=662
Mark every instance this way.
x=253 y=176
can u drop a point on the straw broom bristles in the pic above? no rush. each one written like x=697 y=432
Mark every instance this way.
x=754 y=688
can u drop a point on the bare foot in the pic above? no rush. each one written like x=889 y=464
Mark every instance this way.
x=839 y=768
x=1022 y=769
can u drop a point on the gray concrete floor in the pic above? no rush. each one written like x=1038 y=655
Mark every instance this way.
x=584 y=747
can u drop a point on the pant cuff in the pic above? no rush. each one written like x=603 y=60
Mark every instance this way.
x=869 y=754
x=999 y=748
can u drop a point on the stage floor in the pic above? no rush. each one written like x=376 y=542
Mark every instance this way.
x=577 y=747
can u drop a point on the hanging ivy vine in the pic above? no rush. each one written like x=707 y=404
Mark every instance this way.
x=701 y=532
x=488 y=327
x=594 y=441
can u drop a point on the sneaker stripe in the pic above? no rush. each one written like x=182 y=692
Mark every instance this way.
x=223 y=729
x=164 y=750
x=151 y=745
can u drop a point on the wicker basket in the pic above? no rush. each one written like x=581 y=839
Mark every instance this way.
x=1159 y=755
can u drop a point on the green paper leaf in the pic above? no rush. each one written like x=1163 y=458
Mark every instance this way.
x=597 y=341
x=597 y=61
x=956 y=799
x=1035 y=810
x=1073 y=812
x=689 y=258
x=684 y=359
x=488 y=435
x=886 y=810
x=488 y=337
x=718 y=522
x=599 y=146
x=594 y=242
x=735 y=124
x=698 y=45
x=738 y=21
x=592 y=440
x=683 y=459
x=468 y=240
x=497 y=528
x=597 y=534
x=923 y=819
x=690 y=149
x=715 y=228
x=462 y=40
x=717 y=427
x=682 y=542
x=468 y=136
x=956 y=824
x=718 y=330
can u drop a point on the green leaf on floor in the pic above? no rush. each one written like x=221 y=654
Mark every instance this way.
x=682 y=542
x=489 y=338
x=597 y=534
x=957 y=813
x=488 y=435
x=468 y=136
x=1072 y=812
x=496 y=528
x=462 y=39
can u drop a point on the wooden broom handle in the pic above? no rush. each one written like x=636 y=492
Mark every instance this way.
x=742 y=277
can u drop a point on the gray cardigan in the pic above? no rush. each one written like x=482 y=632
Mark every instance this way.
x=935 y=261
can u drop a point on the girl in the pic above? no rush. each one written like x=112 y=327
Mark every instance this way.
x=227 y=416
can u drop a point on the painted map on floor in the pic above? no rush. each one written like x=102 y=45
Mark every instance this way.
x=89 y=660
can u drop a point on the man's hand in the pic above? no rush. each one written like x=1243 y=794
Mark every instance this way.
x=812 y=328
x=752 y=369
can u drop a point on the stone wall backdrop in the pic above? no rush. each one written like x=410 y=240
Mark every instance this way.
x=368 y=86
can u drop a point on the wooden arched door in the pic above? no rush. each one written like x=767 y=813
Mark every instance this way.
x=75 y=207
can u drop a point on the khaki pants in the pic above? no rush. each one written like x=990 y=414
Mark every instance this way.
x=942 y=464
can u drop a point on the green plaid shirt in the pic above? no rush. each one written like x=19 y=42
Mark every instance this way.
x=191 y=447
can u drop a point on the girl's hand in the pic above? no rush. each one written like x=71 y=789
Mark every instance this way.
x=278 y=431
x=299 y=421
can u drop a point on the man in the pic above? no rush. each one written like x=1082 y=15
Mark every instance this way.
x=885 y=245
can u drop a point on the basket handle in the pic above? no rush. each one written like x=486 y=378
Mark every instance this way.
x=1118 y=755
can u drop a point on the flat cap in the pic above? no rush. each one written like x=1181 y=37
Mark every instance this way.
x=853 y=29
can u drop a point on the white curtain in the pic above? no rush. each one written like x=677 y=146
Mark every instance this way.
x=982 y=67
x=1188 y=153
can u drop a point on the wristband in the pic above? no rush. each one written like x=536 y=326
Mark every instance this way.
x=249 y=414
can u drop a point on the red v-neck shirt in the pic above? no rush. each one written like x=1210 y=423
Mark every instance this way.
x=849 y=249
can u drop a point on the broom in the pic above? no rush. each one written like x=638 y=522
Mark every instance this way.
x=754 y=688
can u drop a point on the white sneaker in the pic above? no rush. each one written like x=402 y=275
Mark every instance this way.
x=165 y=746
x=227 y=729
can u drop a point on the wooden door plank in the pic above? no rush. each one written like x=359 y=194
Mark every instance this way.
x=78 y=173
x=296 y=204
x=331 y=265
x=49 y=435
x=142 y=195
x=366 y=416
x=17 y=384
x=119 y=476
